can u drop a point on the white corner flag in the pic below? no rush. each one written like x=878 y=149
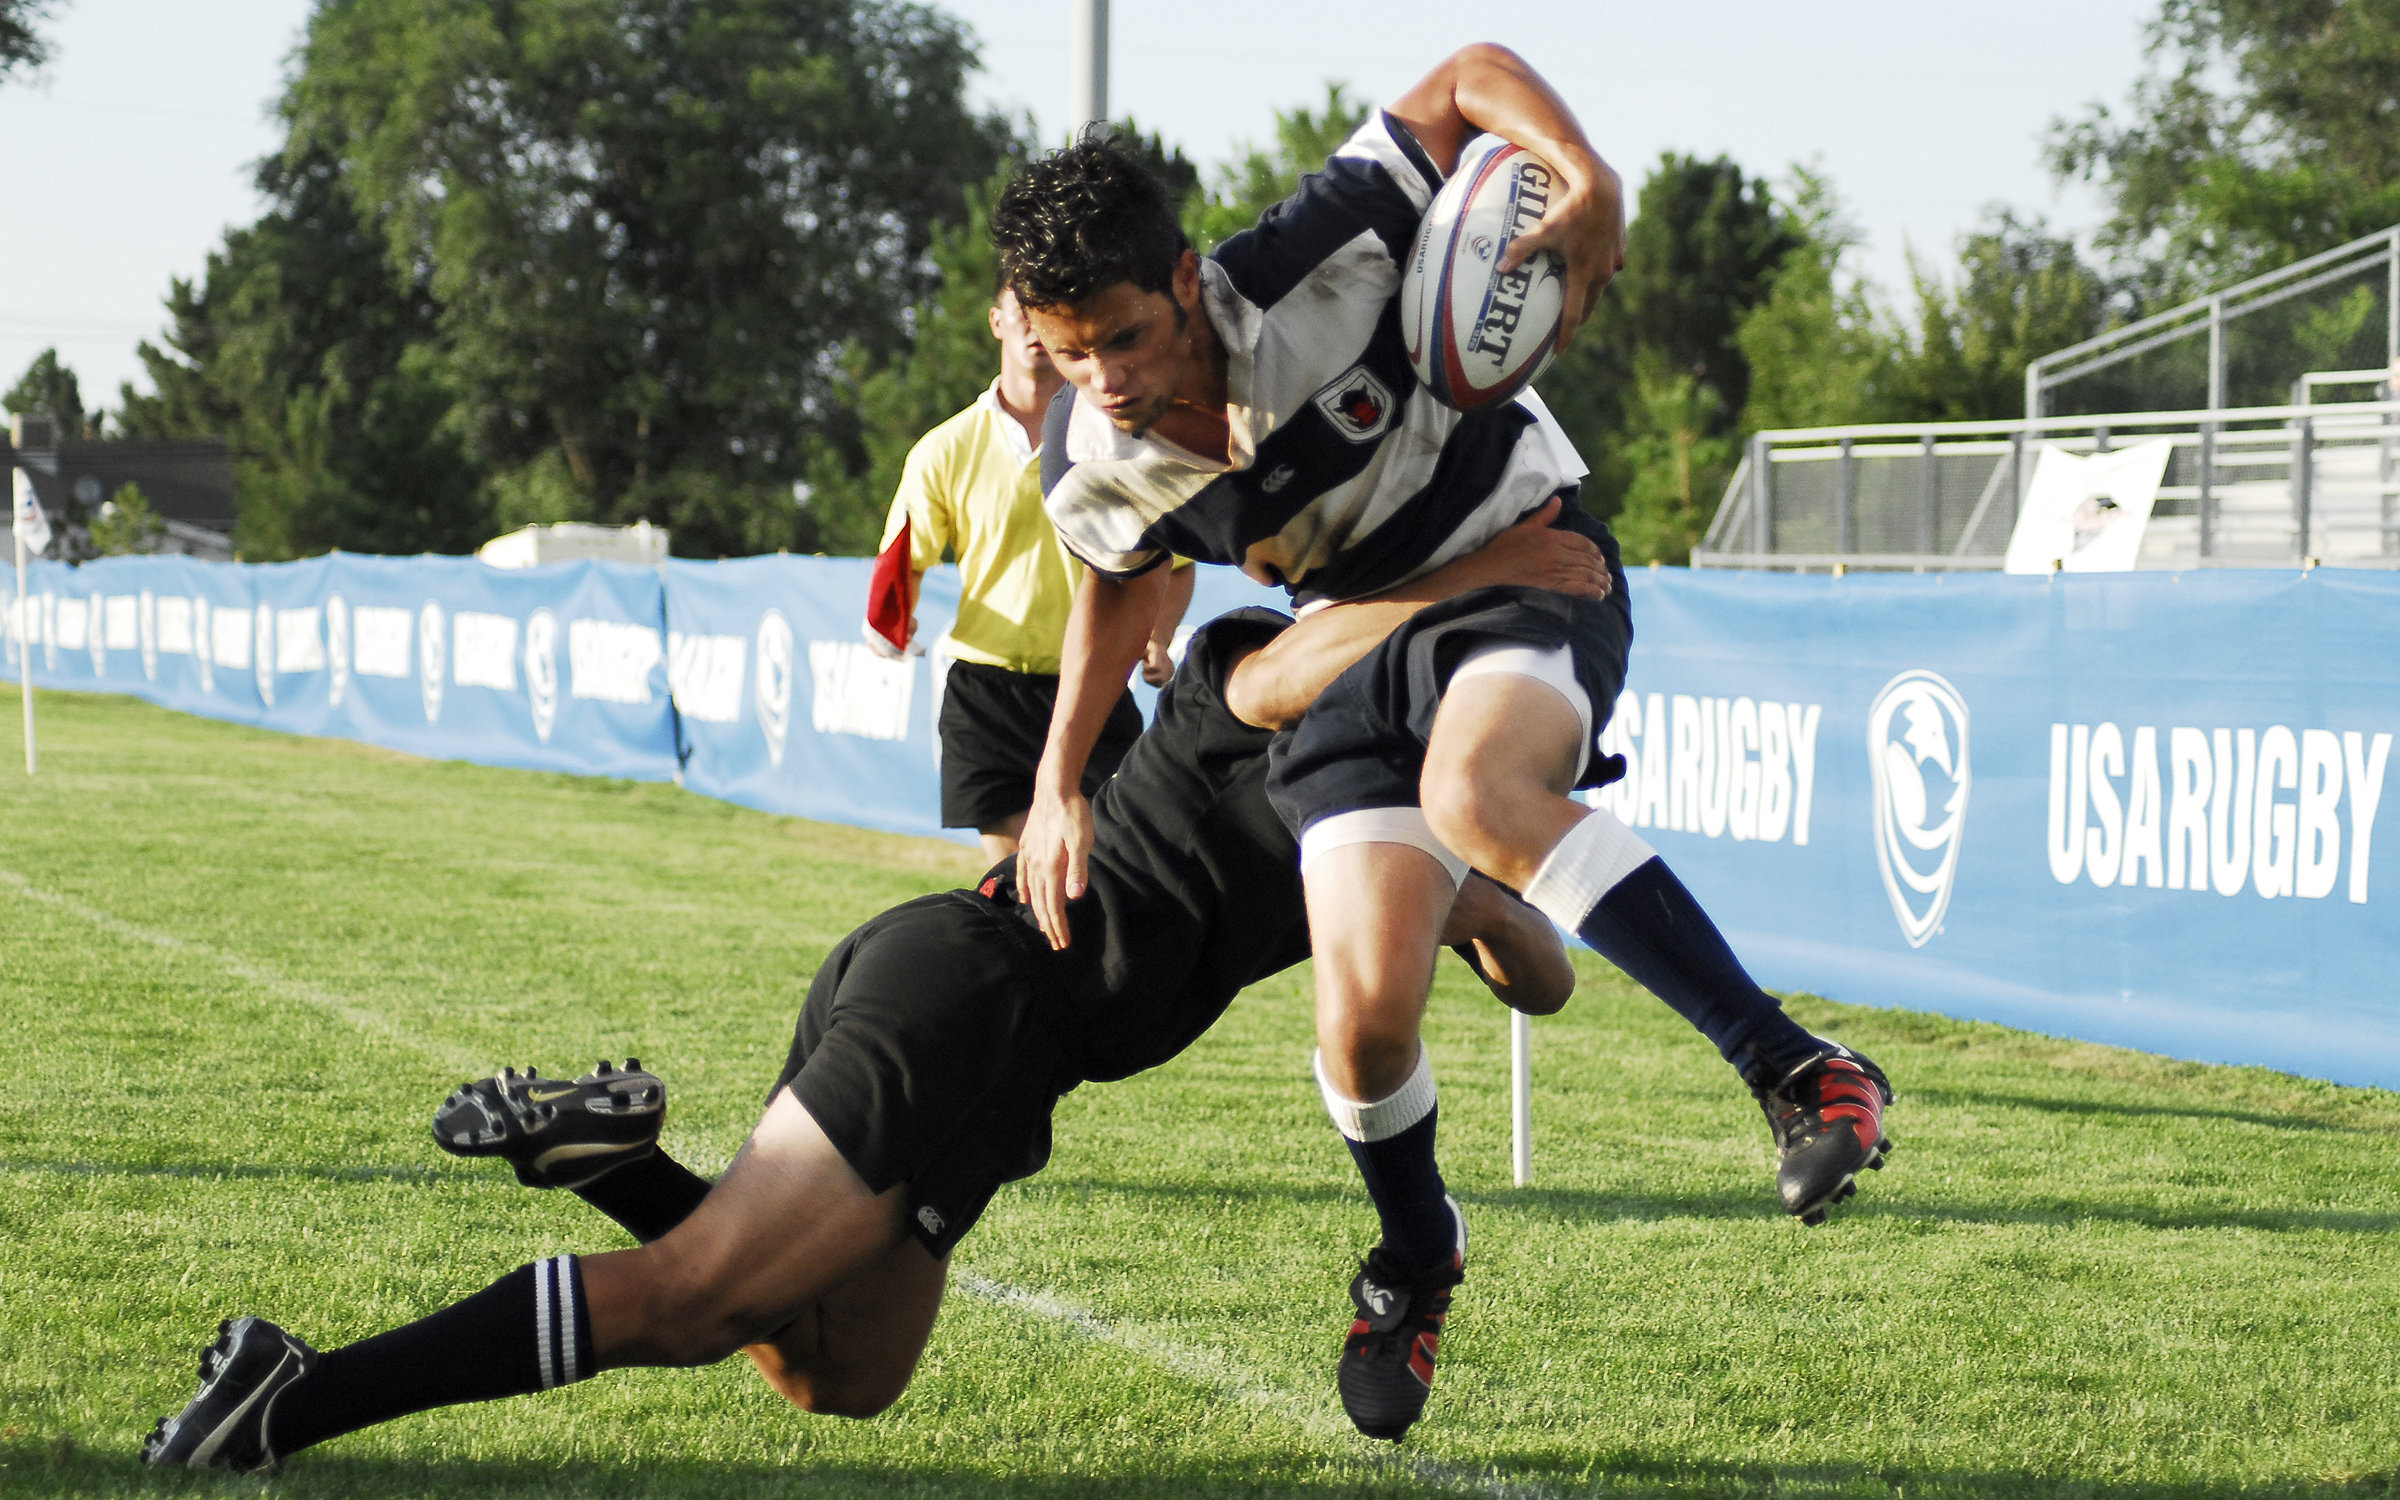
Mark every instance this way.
x=32 y=524
x=32 y=530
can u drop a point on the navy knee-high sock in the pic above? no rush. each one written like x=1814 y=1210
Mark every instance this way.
x=1392 y=1141
x=525 y=1332
x=648 y=1196
x=1607 y=886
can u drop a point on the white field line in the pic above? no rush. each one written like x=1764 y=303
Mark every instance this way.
x=341 y=1007
x=1228 y=1378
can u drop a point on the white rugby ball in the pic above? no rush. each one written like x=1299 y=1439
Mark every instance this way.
x=1477 y=337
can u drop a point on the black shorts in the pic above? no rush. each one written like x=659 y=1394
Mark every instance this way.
x=1362 y=743
x=925 y=1053
x=993 y=725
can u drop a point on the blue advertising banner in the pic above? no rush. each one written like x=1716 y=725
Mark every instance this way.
x=785 y=706
x=559 y=668
x=2138 y=808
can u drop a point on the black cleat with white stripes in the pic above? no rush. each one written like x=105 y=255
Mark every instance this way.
x=556 y=1132
x=227 y=1425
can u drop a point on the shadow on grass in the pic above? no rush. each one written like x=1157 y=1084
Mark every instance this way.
x=46 y=1467
x=1972 y=1099
x=204 y=1171
x=1881 y=1199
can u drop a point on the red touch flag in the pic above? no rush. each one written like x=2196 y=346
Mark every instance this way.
x=887 y=593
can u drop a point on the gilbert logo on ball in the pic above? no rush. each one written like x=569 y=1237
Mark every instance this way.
x=1476 y=337
x=1917 y=753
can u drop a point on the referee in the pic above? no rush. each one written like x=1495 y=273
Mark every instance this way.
x=972 y=486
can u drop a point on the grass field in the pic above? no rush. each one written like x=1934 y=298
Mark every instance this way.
x=239 y=969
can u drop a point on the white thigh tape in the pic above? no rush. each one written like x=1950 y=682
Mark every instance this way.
x=1379 y=825
x=1386 y=1117
x=1553 y=666
x=1587 y=864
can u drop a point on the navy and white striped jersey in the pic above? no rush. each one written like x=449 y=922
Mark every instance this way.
x=1346 y=477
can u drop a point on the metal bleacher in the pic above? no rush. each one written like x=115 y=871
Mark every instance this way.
x=2305 y=482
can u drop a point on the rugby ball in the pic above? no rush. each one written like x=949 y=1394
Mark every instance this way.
x=1477 y=337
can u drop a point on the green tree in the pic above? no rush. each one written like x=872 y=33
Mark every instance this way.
x=50 y=389
x=22 y=47
x=126 y=524
x=1703 y=250
x=649 y=226
x=2019 y=293
x=1680 y=452
x=1818 y=354
x=2264 y=129
x=854 y=469
x=1262 y=177
x=319 y=365
x=1826 y=349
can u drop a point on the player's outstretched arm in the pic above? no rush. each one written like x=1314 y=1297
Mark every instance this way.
x=1274 y=686
x=1489 y=88
x=1517 y=948
x=1108 y=630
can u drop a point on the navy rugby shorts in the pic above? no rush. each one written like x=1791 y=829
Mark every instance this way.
x=1362 y=744
x=925 y=1052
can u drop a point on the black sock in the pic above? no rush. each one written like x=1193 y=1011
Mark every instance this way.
x=1651 y=927
x=649 y=1196
x=528 y=1331
x=1391 y=1139
x=1406 y=1185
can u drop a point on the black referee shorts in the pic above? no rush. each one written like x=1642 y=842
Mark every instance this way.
x=925 y=1053
x=993 y=724
x=1362 y=743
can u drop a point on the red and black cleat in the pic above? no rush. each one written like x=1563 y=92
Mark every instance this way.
x=1386 y=1373
x=1827 y=1117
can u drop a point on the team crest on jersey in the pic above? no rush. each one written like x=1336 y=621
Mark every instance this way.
x=1357 y=404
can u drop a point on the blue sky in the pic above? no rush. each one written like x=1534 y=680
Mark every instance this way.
x=126 y=160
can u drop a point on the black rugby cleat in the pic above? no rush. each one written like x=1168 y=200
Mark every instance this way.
x=1827 y=1119
x=226 y=1426
x=556 y=1133
x=1386 y=1372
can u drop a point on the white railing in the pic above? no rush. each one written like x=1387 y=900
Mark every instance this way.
x=2212 y=314
x=2262 y=486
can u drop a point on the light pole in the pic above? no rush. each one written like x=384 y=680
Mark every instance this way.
x=1090 y=61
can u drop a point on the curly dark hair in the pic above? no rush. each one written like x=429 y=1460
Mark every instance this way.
x=1081 y=220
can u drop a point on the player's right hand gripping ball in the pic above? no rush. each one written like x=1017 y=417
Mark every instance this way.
x=1476 y=337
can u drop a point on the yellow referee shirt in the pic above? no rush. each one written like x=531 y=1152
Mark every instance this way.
x=973 y=486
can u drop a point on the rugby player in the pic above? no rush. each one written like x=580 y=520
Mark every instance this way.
x=1257 y=408
x=932 y=1047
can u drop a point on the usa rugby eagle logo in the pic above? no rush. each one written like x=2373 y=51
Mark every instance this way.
x=1917 y=750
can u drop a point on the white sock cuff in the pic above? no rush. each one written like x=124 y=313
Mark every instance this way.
x=1386 y=1117
x=1587 y=864
x=557 y=1318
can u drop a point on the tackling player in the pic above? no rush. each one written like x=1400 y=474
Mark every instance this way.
x=933 y=1045
x=1257 y=408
